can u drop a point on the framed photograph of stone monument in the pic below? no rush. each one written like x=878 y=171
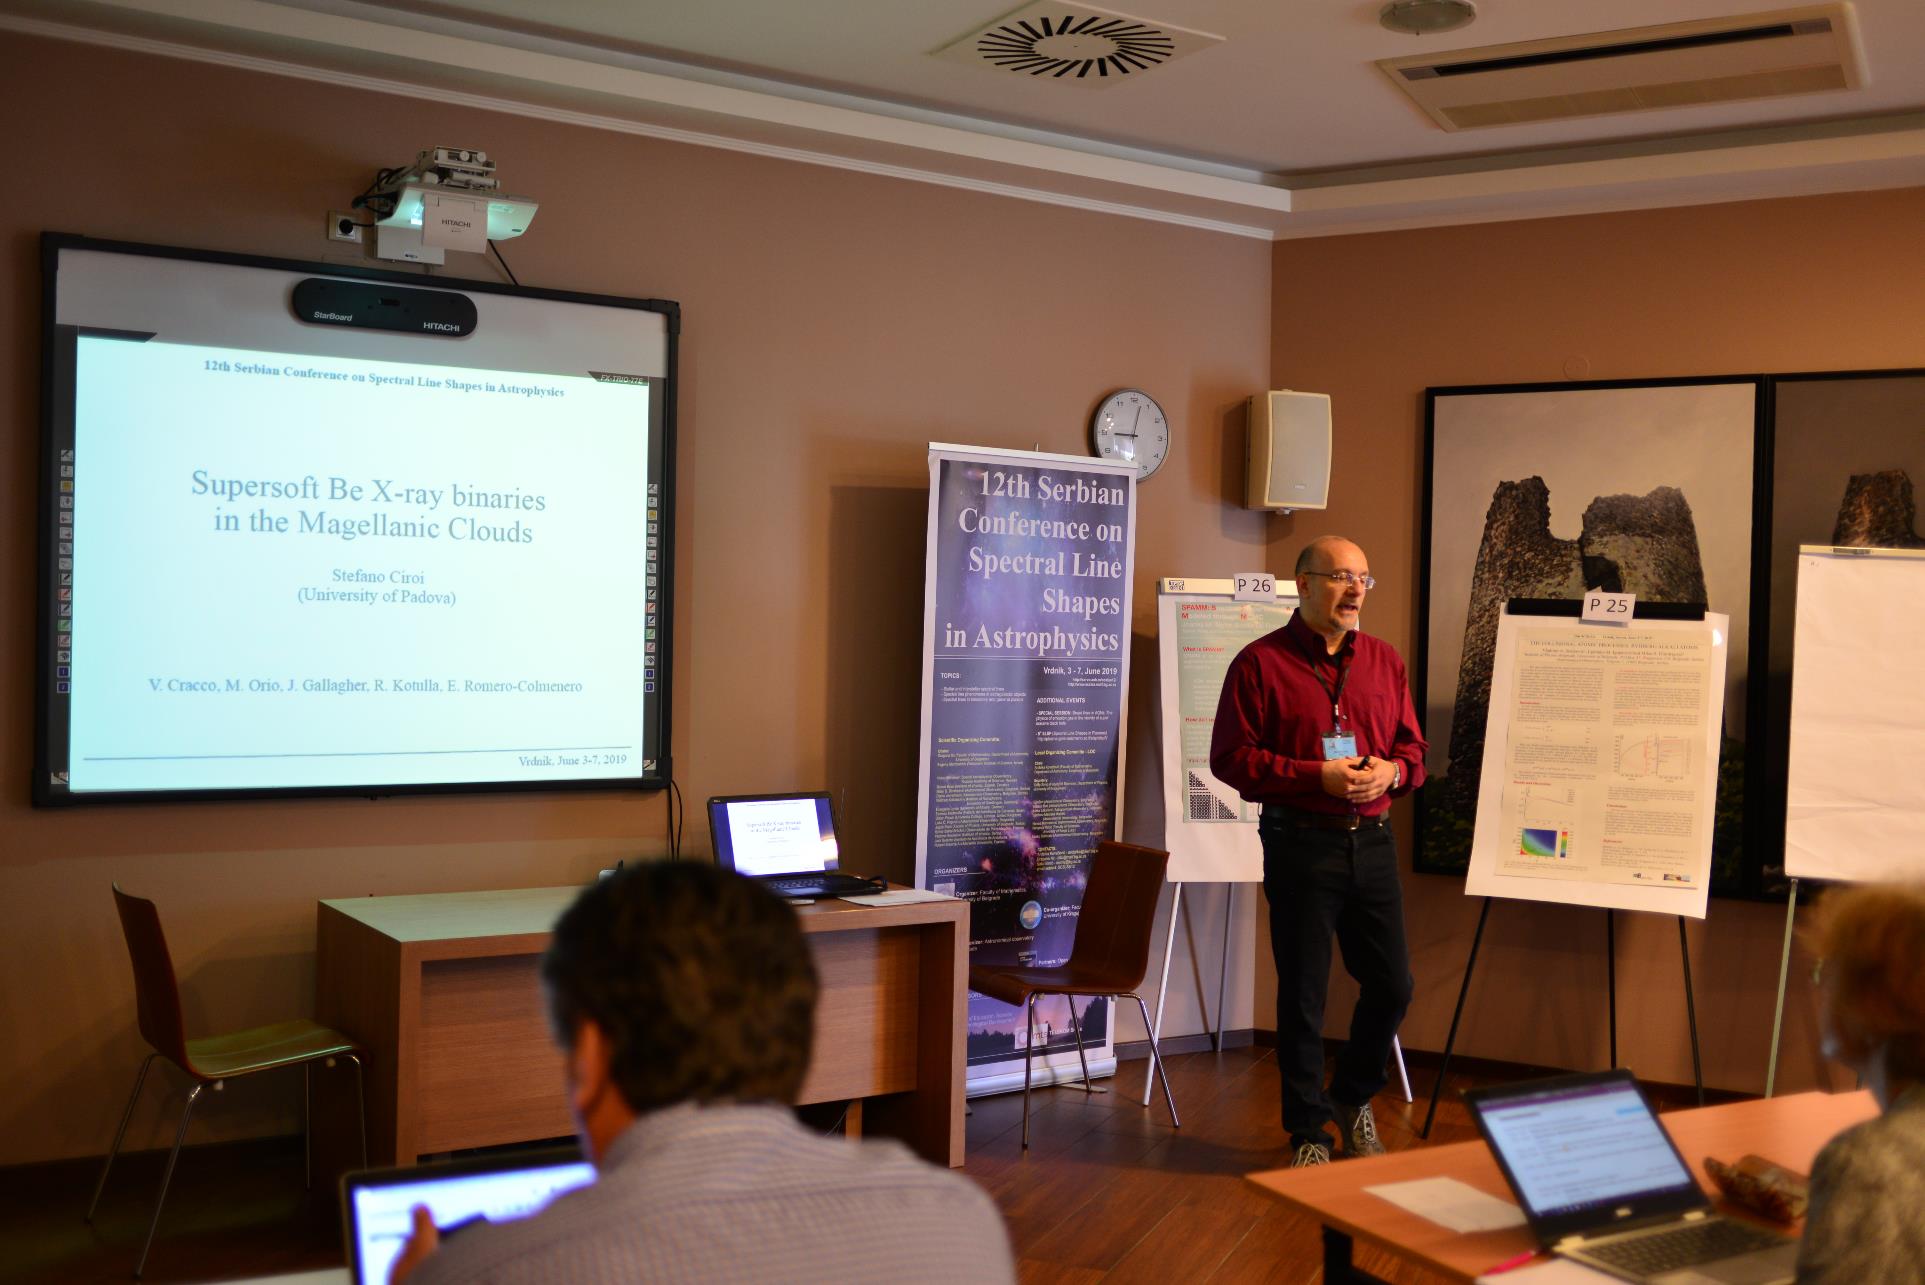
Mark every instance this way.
x=1848 y=453
x=1546 y=490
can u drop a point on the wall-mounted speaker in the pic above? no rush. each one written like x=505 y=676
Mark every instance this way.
x=1289 y=452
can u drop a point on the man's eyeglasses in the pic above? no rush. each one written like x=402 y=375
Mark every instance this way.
x=1345 y=577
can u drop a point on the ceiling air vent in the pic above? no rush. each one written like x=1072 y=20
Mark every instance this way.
x=1075 y=44
x=1681 y=64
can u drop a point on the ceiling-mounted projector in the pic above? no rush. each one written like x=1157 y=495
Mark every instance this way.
x=449 y=199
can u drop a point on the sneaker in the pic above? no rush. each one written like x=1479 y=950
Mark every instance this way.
x=1311 y=1153
x=1359 y=1129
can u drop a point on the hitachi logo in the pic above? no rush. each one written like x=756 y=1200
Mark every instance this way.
x=441 y=325
x=334 y=316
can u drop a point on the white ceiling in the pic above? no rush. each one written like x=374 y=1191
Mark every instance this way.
x=1284 y=128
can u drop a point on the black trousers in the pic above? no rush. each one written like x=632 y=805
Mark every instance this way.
x=1324 y=885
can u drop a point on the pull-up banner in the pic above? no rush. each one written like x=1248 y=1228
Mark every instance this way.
x=1026 y=629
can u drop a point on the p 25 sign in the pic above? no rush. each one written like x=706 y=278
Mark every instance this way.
x=1609 y=608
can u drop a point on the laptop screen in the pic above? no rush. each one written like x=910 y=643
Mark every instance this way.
x=1571 y=1146
x=380 y=1205
x=774 y=834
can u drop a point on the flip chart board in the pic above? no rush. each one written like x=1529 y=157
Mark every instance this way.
x=1855 y=788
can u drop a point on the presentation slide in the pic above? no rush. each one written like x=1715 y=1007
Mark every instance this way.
x=297 y=571
x=779 y=836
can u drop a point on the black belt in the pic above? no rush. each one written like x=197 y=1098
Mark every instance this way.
x=1325 y=820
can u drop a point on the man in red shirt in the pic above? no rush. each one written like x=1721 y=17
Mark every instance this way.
x=1316 y=724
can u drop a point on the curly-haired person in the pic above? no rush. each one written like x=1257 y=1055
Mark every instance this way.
x=1868 y=1184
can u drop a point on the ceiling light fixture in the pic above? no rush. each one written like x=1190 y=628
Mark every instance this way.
x=1426 y=17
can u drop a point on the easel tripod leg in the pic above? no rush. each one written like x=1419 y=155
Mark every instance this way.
x=1611 y=977
x=1450 y=1041
x=1778 y=1014
x=1223 y=971
x=1691 y=1011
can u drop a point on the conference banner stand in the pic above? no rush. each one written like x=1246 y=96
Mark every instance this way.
x=1600 y=774
x=1026 y=627
x=1857 y=650
x=1211 y=833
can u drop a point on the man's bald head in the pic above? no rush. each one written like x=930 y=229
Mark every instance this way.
x=1318 y=554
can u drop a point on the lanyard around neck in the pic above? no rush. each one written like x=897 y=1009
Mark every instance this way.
x=1334 y=693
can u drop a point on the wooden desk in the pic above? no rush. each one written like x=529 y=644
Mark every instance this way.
x=443 y=991
x=1788 y=1130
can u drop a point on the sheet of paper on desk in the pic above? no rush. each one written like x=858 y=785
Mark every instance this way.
x=1555 y=1271
x=1450 y=1203
x=899 y=897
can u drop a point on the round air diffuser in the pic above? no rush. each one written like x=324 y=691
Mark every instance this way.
x=1427 y=17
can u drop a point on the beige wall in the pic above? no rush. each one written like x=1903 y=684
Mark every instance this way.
x=1821 y=283
x=835 y=324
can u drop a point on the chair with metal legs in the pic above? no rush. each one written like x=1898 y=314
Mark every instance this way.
x=1110 y=956
x=213 y=1060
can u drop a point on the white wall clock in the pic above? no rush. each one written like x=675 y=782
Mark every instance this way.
x=1130 y=427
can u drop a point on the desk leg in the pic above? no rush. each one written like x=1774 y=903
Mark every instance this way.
x=930 y=1117
x=1337 y=1268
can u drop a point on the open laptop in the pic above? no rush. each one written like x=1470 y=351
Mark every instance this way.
x=788 y=841
x=377 y=1205
x=1602 y=1183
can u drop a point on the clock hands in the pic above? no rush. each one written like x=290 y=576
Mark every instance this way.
x=1117 y=432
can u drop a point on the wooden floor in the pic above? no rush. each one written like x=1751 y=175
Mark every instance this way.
x=1108 y=1190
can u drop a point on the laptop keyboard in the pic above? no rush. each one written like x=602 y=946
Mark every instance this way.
x=831 y=885
x=1694 y=1243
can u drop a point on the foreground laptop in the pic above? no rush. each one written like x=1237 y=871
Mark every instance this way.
x=377 y=1206
x=1602 y=1183
x=788 y=841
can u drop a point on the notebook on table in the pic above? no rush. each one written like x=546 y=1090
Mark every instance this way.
x=1603 y=1184
x=788 y=841
x=377 y=1205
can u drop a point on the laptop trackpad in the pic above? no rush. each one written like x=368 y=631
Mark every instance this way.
x=1775 y=1266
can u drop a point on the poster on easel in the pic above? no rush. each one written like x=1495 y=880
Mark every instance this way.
x=1855 y=781
x=1600 y=769
x=1210 y=831
x=1026 y=632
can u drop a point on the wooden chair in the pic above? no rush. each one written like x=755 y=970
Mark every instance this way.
x=1110 y=956
x=214 y=1059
